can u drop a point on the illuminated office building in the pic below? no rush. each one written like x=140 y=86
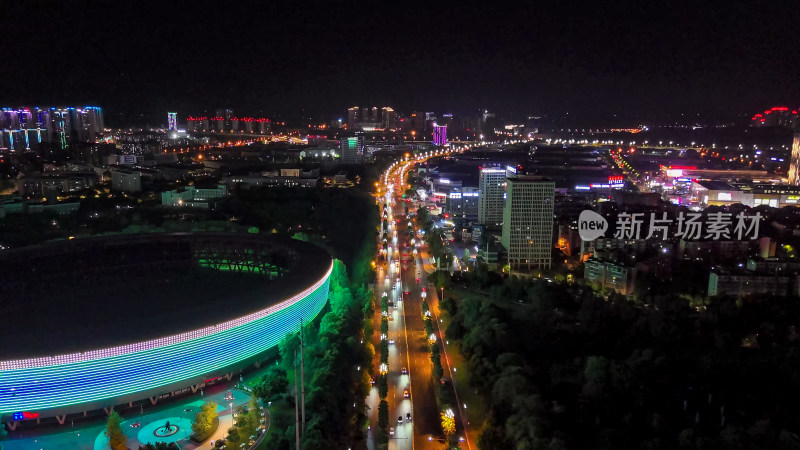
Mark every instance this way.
x=528 y=221
x=352 y=150
x=492 y=192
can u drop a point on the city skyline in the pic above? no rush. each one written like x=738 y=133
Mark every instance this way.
x=399 y=226
x=627 y=60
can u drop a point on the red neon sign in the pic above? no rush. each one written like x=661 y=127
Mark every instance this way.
x=25 y=415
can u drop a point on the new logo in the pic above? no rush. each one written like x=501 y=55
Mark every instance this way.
x=591 y=225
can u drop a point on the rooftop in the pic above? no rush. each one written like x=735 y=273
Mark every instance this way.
x=74 y=295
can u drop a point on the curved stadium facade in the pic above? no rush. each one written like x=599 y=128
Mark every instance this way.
x=68 y=372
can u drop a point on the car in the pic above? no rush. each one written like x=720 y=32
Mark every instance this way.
x=391 y=431
x=391 y=341
x=408 y=417
x=406 y=394
x=404 y=371
x=136 y=424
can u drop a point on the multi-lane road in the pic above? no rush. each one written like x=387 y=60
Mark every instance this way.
x=402 y=277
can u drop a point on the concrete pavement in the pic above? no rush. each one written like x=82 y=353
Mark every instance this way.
x=90 y=437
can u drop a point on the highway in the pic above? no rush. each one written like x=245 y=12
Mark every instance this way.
x=409 y=349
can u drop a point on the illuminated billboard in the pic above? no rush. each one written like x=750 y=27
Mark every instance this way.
x=675 y=173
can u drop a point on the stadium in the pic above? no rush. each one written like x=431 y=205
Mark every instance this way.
x=117 y=321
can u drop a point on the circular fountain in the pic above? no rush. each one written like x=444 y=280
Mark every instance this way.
x=166 y=430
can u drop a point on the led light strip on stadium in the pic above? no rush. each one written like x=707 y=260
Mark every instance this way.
x=63 y=380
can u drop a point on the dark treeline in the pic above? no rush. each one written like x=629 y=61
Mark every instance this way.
x=337 y=219
x=568 y=369
x=341 y=220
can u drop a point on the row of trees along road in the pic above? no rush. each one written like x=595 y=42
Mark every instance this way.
x=568 y=369
x=383 y=382
x=335 y=388
x=444 y=391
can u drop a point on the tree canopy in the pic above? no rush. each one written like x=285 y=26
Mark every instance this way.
x=569 y=369
x=116 y=438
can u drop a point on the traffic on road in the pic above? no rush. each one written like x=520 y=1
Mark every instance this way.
x=402 y=268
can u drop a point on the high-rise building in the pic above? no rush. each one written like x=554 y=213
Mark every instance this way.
x=439 y=134
x=528 y=221
x=172 y=121
x=87 y=123
x=62 y=126
x=371 y=118
x=492 y=186
x=389 y=118
x=794 y=164
x=224 y=120
x=352 y=116
x=777 y=116
x=352 y=150
x=24 y=128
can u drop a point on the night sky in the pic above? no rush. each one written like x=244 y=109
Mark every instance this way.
x=638 y=59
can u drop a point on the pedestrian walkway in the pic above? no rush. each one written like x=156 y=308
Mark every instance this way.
x=180 y=413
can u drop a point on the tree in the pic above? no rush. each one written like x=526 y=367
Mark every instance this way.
x=384 y=326
x=596 y=374
x=383 y=438
x=383 y=387
x=521 y=427
x=448 y=423
x=116 y=439
x=509 y=385
x=160 y=446
x=204 y=420
x=272 y=384
x=384 y=351
x=448 y=305
x=233 y=438
x=493 y=438
x=383 y=414
x=287 y=347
